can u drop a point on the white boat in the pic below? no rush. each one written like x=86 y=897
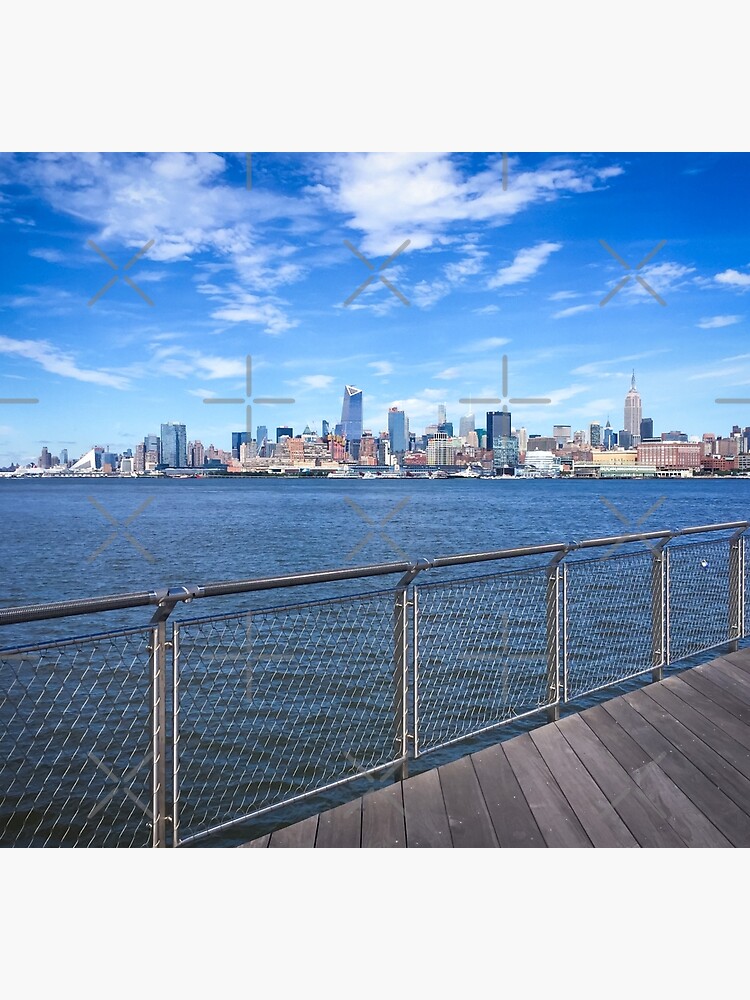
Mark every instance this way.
x=343 y=474
x=467 y=473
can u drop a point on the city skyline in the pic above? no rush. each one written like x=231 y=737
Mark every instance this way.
x=486 y=270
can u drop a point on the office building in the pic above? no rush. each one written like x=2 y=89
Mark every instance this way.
x=398 y=430
x=595 y=435
x=505 y=454
x=261 y=440
x=625 y=439
x=442 y=450
x=647 y=428
x=351 y=416
x=173 y=446
x=498 y=426
x=64 y=456
x=523 y=438
x=562 y=434
x=282 y=432
x=238 y=439
x=466 y=425
x=197 y=455
x=324 y=429
x=446 y=428
x=671 y=454
x=442 y=417
x=674 y=436
x=151 y=443
x=633 y=415
x=610 y=438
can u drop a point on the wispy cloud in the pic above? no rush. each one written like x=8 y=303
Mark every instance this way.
x=572 y=311
x=52 y=359
x=715 y=322
x=316 y=381
x=525 y=265
x=381 y=367
x=487 y=344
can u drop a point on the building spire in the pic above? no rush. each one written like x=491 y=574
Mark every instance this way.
x=632 y=381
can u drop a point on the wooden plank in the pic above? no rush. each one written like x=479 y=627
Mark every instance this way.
x=728 y=675
x=426 y=819
x=740 y=658
x=557 y=822
x=509 y=811
x=700 y=725
x=726 y=721
x=717 y=694
x=258 y=842
x=669 y=721
x=383 y=817
x=469 y=820
x=717 y=807
x=341 y=826
x=725 y=680
x=300 y=834
x=660 y=788
x=642 y=818
x=601 y=822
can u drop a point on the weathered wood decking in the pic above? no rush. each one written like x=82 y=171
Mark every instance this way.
x=664 y=766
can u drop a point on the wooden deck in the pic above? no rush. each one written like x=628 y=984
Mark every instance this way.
x=664 y=766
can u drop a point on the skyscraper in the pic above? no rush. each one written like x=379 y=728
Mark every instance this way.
x=610 y=438
x=261 y=438
x=466 y=425
x=498 y=425
x=151 y=443
x=595 y=435
x=647 y=428
x=351 y=414
x=238 y=439
x=442 y=417
x=284 y=432
x=633 y=415
x=398 y=430
x=173 y=445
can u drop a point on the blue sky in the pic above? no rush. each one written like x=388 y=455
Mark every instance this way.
x=265 y=272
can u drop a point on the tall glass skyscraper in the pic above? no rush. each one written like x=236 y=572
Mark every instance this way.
x=498 y=425
x=398 y=430
x=173 y=446
x=351 y=414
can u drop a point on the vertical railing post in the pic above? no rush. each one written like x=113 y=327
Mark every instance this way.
x=400 y=661
x=736 y=588
x=659 y=608
x=175 y=734
x=556 y=629
x=159 y=681
x=159 y=734
x=415 y=671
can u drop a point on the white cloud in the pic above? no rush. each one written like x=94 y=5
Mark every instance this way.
x=448 y=373
x=48 y=254
x=716 y=322
x=391 y=197
x=525 y=265
x=58 y=362
x=487 y=344
x=316 y=381
x=381 y=367
x=572 y=311
x=560 y=296
x=203 y=393
x=735 y=279
x=485 y=310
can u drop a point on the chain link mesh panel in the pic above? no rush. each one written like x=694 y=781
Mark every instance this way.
x=698 y=597
x=278 y=703
x=75 y=737
x=483 y=648
x=609 y=619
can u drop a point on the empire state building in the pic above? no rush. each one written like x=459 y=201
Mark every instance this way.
x=632 y=422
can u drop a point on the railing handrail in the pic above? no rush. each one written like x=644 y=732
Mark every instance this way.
x=168 y=598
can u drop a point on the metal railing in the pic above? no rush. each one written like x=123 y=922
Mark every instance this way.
x=162 y=735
